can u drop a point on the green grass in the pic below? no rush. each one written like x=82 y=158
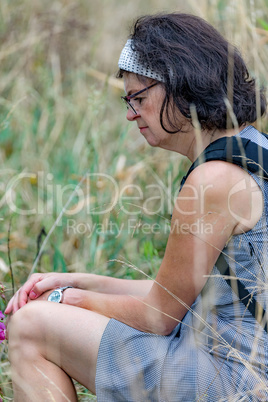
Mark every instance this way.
x=60 y=119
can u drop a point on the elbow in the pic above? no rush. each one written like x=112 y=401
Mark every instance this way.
x=164 y=327
x=157 y=320
x=166 y=330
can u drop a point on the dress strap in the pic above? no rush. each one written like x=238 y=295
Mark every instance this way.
x=239 y=151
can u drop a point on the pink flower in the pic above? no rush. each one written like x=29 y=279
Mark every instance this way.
x=2 y=328
x=2 y=332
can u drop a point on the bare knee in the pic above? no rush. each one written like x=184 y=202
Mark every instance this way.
x=25 y=331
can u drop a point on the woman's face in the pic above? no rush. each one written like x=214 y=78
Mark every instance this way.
x=147 y=105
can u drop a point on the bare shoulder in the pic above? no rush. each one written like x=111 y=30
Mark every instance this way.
x=227 y=189
x=215 y=171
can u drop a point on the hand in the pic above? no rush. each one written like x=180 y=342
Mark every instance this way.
x=36 y=286
x=44 y=296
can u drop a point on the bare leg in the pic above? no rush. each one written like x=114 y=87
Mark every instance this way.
x=49 y=344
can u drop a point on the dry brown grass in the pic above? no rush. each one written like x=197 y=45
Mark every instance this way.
x=60 y=115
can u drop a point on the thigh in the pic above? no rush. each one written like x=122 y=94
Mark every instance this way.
x=66 y=335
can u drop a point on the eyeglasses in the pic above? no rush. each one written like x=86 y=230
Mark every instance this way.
x=135 y=102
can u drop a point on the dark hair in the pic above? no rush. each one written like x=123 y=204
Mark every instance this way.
x=198 y=65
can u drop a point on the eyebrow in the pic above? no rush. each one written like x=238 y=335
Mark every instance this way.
x=142 y=90
x=129 y=95
x=131 y=92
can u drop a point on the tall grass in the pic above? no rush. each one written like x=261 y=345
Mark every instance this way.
x=61 y=119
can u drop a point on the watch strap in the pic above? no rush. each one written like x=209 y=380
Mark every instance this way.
x=62 y=290
x=64 y=287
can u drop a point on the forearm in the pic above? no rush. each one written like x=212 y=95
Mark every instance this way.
x=38 y=284
x=138 y=312
x=109 y=285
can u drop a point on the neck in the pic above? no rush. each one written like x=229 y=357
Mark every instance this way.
x=200 y=140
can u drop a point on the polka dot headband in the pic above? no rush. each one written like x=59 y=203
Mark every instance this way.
x=130 y=60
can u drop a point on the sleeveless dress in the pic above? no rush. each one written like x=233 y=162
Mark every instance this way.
x=219 y=352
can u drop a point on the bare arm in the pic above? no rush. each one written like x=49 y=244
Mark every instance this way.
x=92 y=282
x=109 y=285
x=40 y=284
x=203 y=203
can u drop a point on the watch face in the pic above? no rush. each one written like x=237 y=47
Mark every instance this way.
x=55 y=296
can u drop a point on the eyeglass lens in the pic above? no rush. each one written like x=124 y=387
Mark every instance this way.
x=129 y=99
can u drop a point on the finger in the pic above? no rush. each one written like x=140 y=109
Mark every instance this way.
x=22 y=298
x=29 y=284
x=16 y=302
x=48 y=283
x=25 y=290
x=9 y=306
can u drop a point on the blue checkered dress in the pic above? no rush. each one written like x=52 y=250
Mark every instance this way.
x=218 y=353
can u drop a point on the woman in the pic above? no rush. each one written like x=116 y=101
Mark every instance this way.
x=187 y=336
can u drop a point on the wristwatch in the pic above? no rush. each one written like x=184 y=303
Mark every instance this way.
x=57 y=294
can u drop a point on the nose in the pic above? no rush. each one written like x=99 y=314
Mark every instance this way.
x=131 y=116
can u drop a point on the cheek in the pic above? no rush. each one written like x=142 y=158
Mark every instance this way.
x=154 y=109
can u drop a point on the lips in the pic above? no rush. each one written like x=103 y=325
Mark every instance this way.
x=142 y=129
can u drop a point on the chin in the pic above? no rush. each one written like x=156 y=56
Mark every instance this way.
x=153 y=142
